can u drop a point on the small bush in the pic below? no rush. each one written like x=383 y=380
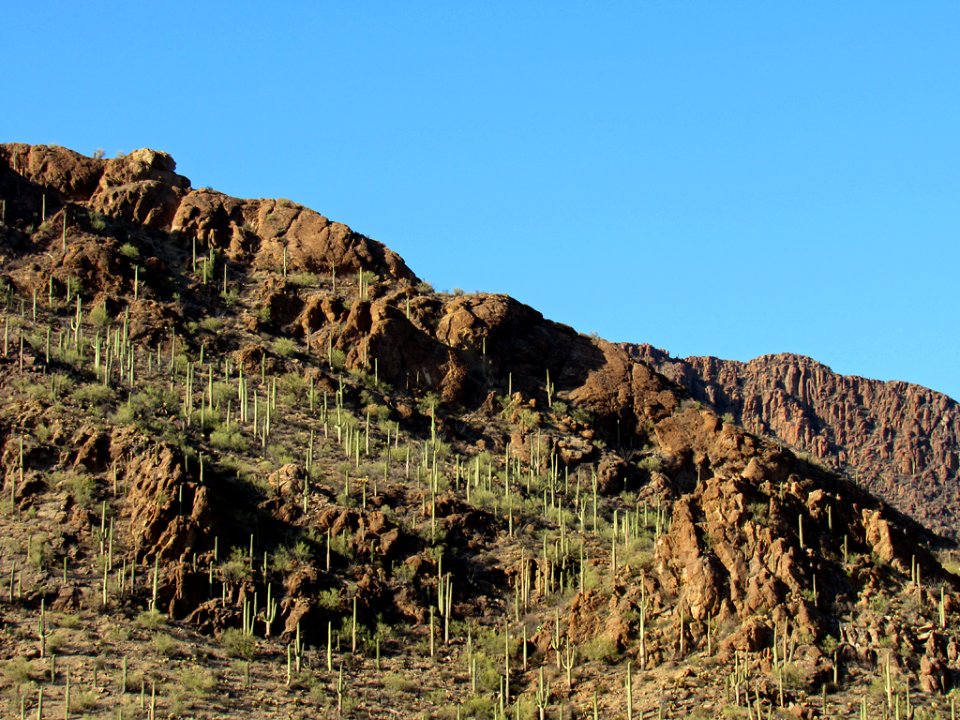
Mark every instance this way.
x=397 y=682
x=285 y=347
x=80 y=486
x=337 y=359
x=166 y=645
x=57 y=641
x=231 y=297
x=18 y=670
x=129 y=250
x=92 y=394
x=99 y=316
x=82 y=702
x=151 y=619
x=238 y=645
x=229 y=439
x=211 y=324
x=329 y=600
x=603 y=649
x=237 y=568
x=197 y=681
x=303 y=279
x=651 y=463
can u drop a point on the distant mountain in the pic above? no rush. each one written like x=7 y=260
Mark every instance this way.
x=898 y=440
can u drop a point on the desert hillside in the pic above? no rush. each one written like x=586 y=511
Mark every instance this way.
x=253 y=466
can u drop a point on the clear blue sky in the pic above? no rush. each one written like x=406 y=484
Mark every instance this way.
x=724 y=178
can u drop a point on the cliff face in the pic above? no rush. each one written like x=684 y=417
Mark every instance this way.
x=900 y=441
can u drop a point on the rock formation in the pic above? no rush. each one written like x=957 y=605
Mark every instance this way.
x=898 y=440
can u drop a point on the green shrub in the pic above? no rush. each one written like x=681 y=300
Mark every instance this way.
x=80 y=486
x=329 y=600
x=338 y=359
x=238 y=645
x=129 y=250
x=285 y=347
x=229 y=439
x=18 y=670
x=651 y=463
x=211 y=324
x=479 y=706
x=151 y=619
x=57 y=640
x=92 y=394
x=303 y=279
x=166 y=645
x=198 y=681
x=98 y=316
x=397 y=682
x=603 y=649
x=237 y=568
x=143 y=406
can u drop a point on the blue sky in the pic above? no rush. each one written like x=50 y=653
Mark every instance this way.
x=732 y=178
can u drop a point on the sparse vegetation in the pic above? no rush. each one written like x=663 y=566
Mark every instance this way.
x=203 y=517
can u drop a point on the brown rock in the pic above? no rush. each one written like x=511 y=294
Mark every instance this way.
x=901 y=440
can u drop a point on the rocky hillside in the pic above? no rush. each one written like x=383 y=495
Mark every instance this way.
x=898 y=440
x=253 y=466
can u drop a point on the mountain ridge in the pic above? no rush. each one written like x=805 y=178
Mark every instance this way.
x=901 y=439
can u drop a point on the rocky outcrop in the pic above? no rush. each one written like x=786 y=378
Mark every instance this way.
x=143 y=188
x=898 y=440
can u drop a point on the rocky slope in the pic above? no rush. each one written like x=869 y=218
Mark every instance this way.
x=245 y=444
x=900 y=441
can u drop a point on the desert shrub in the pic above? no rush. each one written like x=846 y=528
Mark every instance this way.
x=224 y=393
x=793 y=677
x=80 y=486
x=398 y=682
x=98 y=316
x=198 y=681
x=151 y=619
x=285 y=347
x=293 y=388
x=130 y=251
x=224 y=438
x=68 y=620
x=211 y=324
x=18 y=670
x=478 y=706
x=143 y=406
x=230 y=297
x=238 y=645
x=83 y=701
x=237 y=568
x=57 y=640
x=602 y=649
x=338 y=358
x=329 y=600
x=166 y=645
x=303 y=279
x=98 y=222
x=288 y=556
x=651 y=463
x=38 y=392
x=92 y=394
